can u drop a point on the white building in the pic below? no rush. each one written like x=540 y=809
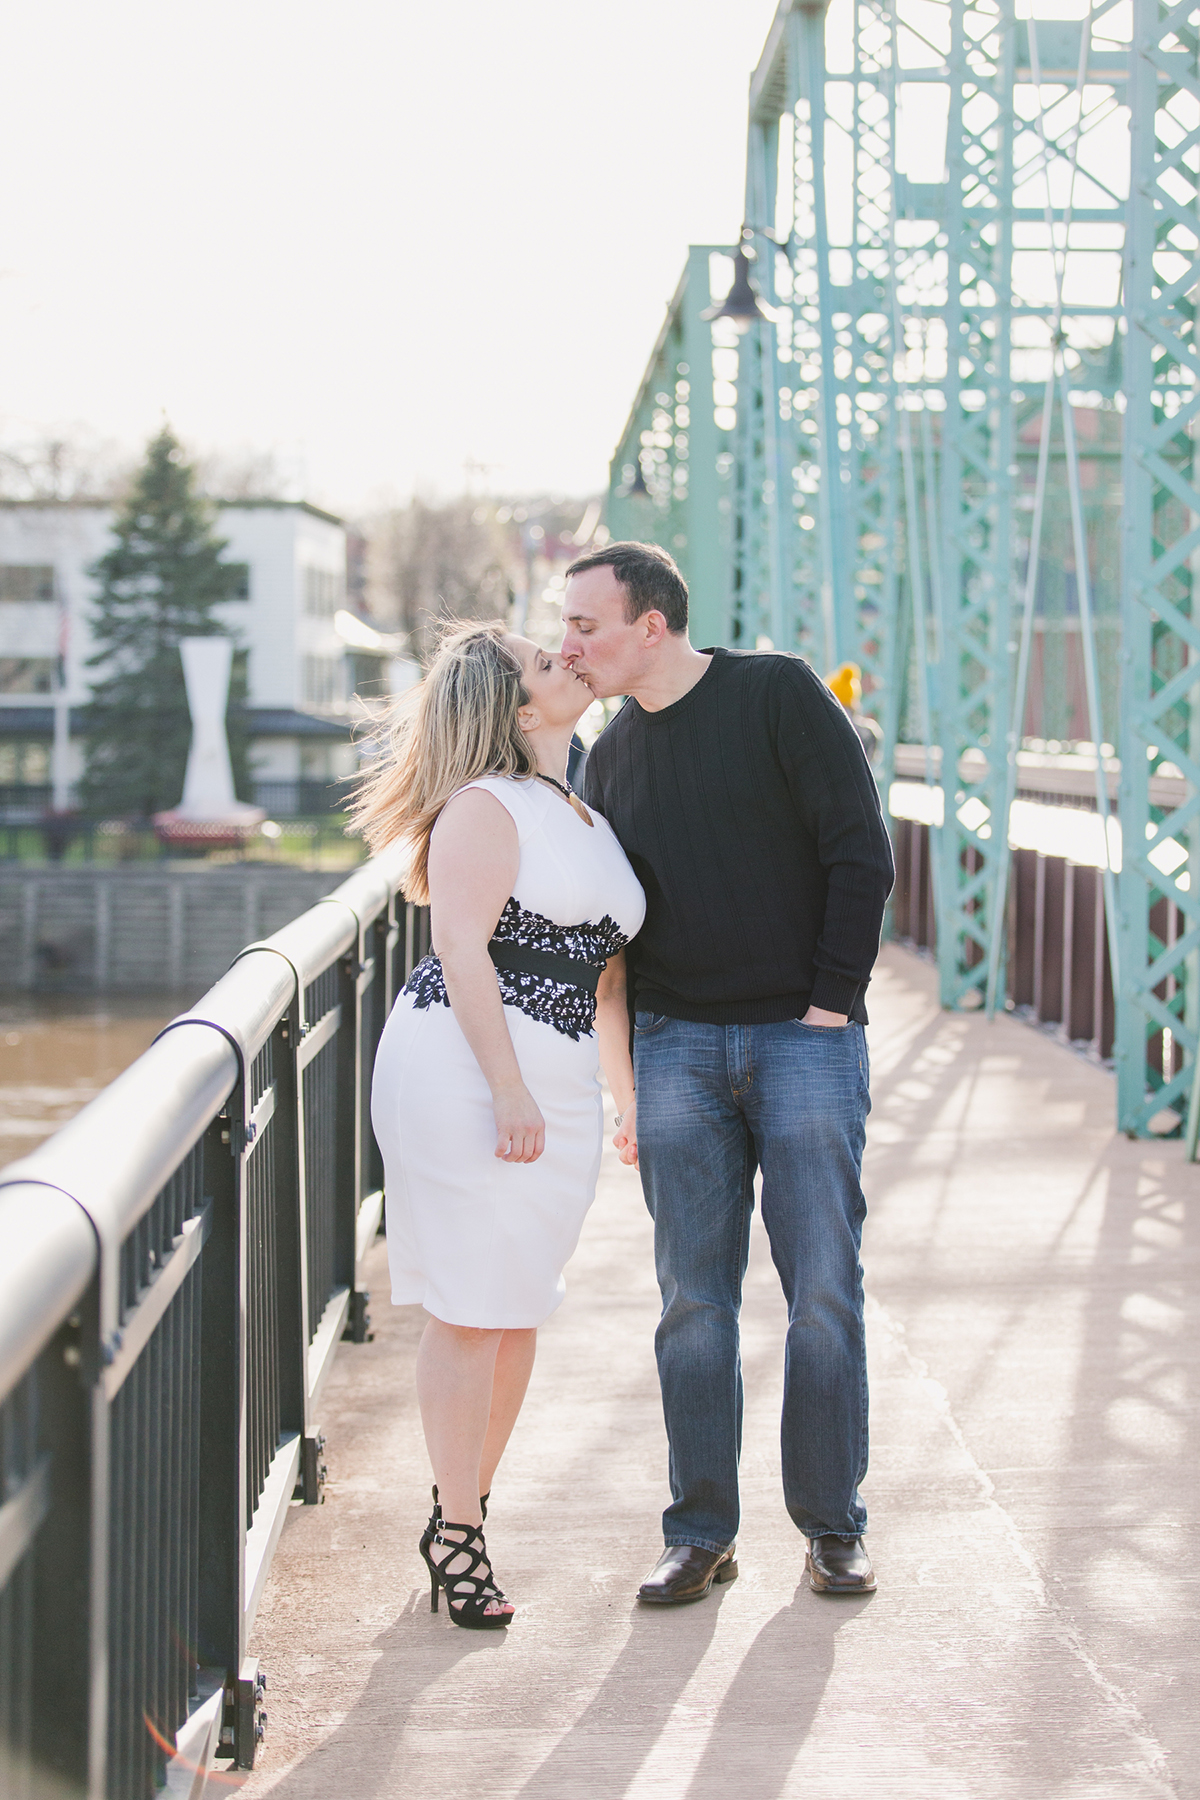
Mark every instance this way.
x=308 y=657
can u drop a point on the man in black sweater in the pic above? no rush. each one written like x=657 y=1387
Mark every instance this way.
x=740 y=792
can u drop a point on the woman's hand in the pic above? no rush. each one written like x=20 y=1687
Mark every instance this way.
x=625 y=1142
x=520 y=1127
x=612 y=1028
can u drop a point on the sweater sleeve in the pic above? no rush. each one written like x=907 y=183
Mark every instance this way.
x=837 y=800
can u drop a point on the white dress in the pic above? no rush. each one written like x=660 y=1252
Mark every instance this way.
x=474 y=1240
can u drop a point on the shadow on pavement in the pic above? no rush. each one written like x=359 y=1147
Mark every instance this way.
x=358 y=1758
x=759 y=1728
x=771 y=1702
x=1044 y=1267
x=611 y=1739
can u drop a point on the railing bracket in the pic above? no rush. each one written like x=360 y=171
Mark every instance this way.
x=313 y=1472
x=245 y=1719
x=358 y=1322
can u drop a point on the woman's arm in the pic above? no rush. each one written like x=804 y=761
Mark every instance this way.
x=474 y=855
x=612 y=1028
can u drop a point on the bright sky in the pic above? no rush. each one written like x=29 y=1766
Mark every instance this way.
x=381 y=238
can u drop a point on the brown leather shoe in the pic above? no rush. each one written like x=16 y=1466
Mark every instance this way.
x=838 y=1565
x=685 y=1572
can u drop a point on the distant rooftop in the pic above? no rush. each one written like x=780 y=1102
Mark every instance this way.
x=84 y=502
x=307 y=506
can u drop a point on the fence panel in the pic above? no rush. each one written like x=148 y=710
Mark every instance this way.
x=177 y=1266
x=1058 y=967
x=48 y=1291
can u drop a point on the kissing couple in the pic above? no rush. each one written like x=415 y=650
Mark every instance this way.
x=722 y=878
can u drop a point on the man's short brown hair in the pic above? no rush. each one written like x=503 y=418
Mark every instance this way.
x=650 y=577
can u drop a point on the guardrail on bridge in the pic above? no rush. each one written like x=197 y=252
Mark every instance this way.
x=177 y=1267
x=1058 y=970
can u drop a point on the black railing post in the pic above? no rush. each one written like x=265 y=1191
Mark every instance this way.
x=289 y=1227
x=385 y=934
x=222 y=1440
x=311 y=1471
x=348 y=1152
x=280 y=1199
x=68 y=1694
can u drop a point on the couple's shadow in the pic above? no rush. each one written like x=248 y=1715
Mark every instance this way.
x=763 y=1718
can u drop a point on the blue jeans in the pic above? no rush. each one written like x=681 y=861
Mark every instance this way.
x=715 y=1104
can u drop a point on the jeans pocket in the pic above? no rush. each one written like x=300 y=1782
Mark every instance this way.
x=646 y=1022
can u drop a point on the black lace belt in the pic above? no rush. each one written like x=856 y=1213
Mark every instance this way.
x=527 y=961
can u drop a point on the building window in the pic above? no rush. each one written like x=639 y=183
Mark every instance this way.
x=369 y=676
x=322 y=680
x=242 y=571
x=316 y=762
x=322 y=593
x=26 y=674
x=24 y=764
x=22 y=582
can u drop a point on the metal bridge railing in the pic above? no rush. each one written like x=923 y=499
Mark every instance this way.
x=1058 y=970
x=1057 y=963
x=177 y=1267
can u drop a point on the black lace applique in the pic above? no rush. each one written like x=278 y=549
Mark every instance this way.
x=569 y=1009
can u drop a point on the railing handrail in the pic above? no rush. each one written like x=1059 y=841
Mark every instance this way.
x=49 y=1256
x=121 y=1150
x=1069 y=775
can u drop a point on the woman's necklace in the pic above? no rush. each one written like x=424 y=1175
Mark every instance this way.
x=566 y=793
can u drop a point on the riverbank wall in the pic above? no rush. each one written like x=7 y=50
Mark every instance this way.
x=119 y=930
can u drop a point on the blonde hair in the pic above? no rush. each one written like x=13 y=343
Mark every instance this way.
x=460 y=724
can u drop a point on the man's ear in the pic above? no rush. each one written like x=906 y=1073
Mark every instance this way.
x=654 y=625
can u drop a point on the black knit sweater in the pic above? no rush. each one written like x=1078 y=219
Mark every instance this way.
x=752 y=821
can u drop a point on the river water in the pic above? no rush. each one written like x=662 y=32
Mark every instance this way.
x=57 y=1051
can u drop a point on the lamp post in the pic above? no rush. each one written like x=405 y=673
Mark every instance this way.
x=743 y=305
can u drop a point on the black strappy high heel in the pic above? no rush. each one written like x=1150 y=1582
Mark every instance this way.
x=466 y=1608
x=437 y=1505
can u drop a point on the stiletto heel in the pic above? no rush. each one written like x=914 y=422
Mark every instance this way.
x=467 y=1608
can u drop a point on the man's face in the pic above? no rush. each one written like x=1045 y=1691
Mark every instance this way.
x=599 y=642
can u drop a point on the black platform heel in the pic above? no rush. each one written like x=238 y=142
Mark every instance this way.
x=466 y=1608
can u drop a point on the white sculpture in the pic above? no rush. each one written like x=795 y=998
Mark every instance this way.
x=208 y=785
x=208 y=800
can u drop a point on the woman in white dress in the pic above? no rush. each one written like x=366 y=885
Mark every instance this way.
x=486 y=1102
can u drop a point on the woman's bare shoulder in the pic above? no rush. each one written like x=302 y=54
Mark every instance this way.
x=523 y=801
x=474 y=842
x=473 y=808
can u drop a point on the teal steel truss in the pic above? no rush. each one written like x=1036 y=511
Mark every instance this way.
x=958 y=328
x=671 y=475
x=1160 y=891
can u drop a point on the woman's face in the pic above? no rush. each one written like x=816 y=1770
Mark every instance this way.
x=558 y=696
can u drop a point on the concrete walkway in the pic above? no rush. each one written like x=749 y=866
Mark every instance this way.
x=1032 y=1285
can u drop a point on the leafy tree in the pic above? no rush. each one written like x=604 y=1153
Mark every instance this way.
x=161 y=581
x=431 y=561
x=67 y=465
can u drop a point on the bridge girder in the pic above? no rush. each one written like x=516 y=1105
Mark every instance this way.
x=869 y=480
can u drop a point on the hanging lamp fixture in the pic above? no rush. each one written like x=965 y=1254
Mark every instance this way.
x=743 y=305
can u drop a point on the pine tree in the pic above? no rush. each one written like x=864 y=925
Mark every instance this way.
x=160 y=582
